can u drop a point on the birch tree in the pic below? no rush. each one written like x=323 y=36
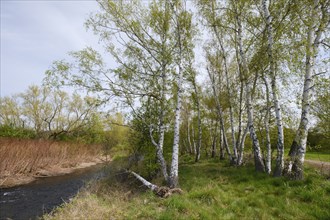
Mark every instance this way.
x=280 y=135
x=138 y=39
x=208 y=10
x=258 y=159
x=151 y=42
x=213 y=70
x=186 y=126
x=184 y=32
x=196 y=97
x=268 y=160
x=316 y=21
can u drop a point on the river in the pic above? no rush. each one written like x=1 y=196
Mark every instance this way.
x=32 y=200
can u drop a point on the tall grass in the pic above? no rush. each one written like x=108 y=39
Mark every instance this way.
x=24 y=156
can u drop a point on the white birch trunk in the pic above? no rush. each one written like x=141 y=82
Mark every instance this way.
x=199 y=141
x=234 y=155
x=220 y=114
x=231 y=116
x=174 y=175
x=280 y=135
x=188 y=134
x=159 y=151
x=298 y=147
x=213 y=134
x=193 y=136
x=266 y=122
x=195 y=147
x=161 y=123
x=222 y=153
x=145 y=182
x=240 y=136
x=162 y=108
x=241 y=147
x=259 y=164
x=161 y=126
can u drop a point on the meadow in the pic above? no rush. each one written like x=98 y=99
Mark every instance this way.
x=318 y=156
x=212 y=190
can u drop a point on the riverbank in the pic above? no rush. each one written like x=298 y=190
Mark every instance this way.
x=50 y=171
x=24 y=160
x=31 y=201
x=211 y=190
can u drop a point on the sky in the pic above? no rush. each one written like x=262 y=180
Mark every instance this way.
x=34 y=33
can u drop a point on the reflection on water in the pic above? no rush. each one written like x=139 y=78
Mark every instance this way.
x=34 y=199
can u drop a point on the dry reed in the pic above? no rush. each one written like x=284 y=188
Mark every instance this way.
x=22 y=156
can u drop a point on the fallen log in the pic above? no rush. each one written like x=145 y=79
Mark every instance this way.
x=161 y=191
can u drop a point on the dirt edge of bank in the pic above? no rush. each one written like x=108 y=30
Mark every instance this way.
x=55 y=170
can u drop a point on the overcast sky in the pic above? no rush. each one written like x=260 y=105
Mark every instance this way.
x=36 y=33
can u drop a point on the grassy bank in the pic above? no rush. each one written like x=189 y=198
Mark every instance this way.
x=318 y=156
x=24 y=157
x=212 y=190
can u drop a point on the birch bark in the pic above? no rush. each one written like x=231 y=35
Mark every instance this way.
x=266 y=123
x=220 y=114
x=241 y=146
x=234 y=156
x=213 y=135
x=222 y=152
x=161 y=123
x=240 y=136
x=298 y=148
x=259 y=164
x=193 y=136
x=174 y=174
x=280 y=135
x=188 y=135
x=199 y=141
x=159 y=151
x=224 y=58
x=199 y=145
x=145 y=182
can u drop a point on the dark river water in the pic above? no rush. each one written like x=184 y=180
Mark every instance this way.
x=41 y=196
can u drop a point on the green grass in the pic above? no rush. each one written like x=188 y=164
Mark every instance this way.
x=212 y=190
x=319 y=156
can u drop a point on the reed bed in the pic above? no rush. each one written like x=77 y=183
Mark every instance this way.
x=25 y=156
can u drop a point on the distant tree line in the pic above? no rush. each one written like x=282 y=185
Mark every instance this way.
x=46 y=113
